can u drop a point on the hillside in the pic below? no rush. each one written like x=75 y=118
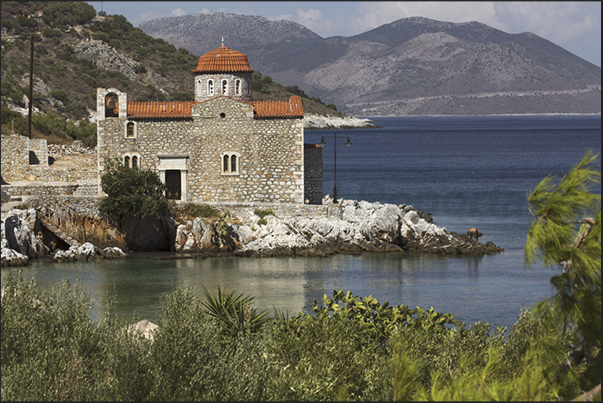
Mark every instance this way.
x=412 y=66
x=76 y=51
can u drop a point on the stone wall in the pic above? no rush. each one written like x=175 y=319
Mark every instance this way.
x=25 y=191
x=25 y=160
x=313 y=173
x=270 y=152
x=15 y=157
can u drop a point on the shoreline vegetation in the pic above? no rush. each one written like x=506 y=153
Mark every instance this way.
x=223 y=348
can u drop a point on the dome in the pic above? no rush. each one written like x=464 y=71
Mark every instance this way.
x=223 y=60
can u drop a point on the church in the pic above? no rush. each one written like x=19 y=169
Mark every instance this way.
x=222 y=147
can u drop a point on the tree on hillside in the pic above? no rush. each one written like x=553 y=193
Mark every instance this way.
x=566 y=234
x=132 y=192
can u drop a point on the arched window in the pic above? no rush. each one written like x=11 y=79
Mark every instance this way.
x=238 y=87
x=233 y=163
x=130 y=130
x=224 y=87
x=225 y=165
x=132 y=160
x=210 y=87
x=230 y=163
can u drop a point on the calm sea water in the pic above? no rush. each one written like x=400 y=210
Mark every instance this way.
x=466 y=171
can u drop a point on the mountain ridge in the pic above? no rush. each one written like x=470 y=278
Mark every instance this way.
x=440 y=62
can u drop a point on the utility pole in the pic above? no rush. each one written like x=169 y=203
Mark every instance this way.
x=30 y=103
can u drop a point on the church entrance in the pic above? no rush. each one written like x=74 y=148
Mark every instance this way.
x=173 y=184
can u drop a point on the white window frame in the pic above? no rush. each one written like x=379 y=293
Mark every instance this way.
x=229 y=171
x=238 y=87
x=224 y=83
x=210 y=87
x=130 y=157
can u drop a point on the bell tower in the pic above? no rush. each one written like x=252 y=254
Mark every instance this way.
x=223 y=72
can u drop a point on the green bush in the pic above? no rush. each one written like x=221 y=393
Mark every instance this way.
x=192 y=361
x=132 y=192
x=199 y=210
x=263 y=212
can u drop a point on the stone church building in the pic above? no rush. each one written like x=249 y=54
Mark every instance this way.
x=222 y=147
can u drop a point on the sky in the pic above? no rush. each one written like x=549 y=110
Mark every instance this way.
x=573 y=25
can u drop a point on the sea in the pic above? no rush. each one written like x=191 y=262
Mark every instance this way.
x=467 y=171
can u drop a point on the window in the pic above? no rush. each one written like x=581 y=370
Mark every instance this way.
x=238 y=87
x=224 y=86
x=130 y=130
x=132 y=160
x=230 y=163
x=210 y=87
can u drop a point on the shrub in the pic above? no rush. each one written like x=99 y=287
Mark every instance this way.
x=263 y=212
x=132 y=192
x=199 y=210
x=191 y=360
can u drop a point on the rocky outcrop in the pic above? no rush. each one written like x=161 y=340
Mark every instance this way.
x=107 y=58
x=11 y=257
x=78 y=219
x=333 y=122
x=22 y=233
x=25 y=237
x=349 y=226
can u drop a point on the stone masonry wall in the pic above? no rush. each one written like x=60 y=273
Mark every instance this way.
x=15 y=157
x=52 y=163
x=313 y=173
x=270 y=151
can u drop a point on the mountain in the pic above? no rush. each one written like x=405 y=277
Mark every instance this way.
x=76 y=51
x=412 y=66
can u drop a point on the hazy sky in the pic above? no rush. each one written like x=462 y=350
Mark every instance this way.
x=575 y=25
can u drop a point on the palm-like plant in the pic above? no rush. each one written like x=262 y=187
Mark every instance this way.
x=234 y=311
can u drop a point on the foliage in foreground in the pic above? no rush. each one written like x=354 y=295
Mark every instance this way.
x=350 y=348
x=52 y=350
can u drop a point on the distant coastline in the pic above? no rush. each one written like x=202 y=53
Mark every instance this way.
x=501 y=114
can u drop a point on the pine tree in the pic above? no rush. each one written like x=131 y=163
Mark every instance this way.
x=566 y=234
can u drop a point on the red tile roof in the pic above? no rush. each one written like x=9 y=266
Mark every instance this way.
x=278 y=109
x=223 y=60
x=165 y=109
x=182 y=109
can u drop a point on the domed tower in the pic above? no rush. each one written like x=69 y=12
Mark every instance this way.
x=223 y=71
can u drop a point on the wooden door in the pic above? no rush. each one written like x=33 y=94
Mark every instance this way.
x=173 y=184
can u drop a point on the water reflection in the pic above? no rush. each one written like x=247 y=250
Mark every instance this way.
x=487 y=288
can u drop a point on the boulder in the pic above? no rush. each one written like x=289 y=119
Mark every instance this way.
x=144 y=329
x=11 y=257
x=18 y=230
x=113 y=253
x=85 y=252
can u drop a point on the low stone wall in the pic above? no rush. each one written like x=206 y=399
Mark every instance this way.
x=30 y=189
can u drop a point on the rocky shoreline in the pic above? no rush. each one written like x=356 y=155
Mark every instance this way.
x=320 y=122
x=345 y=226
